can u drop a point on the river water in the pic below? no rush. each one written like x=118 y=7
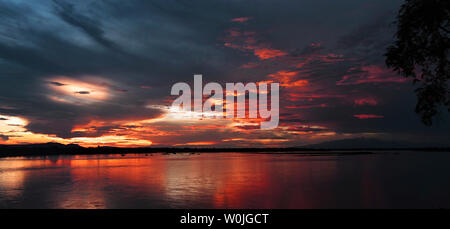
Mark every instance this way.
x=227 y=180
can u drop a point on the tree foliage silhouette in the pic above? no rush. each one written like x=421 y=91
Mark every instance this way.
x=420 y=51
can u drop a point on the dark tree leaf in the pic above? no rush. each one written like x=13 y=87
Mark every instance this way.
x=420 y=51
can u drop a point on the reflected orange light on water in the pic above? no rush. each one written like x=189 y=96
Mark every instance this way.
x=216 y=180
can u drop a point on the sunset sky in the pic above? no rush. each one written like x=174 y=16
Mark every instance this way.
x=100 y=72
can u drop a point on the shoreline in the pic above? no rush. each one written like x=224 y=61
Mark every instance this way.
x=61 y=150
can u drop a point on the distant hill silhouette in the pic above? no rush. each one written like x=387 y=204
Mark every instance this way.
x=340 y=147
x=48 y=145
x=369 y=143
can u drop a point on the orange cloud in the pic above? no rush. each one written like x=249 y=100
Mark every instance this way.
x=240 y=19
x=265 y=53
x=197 y=143
x=287 y=78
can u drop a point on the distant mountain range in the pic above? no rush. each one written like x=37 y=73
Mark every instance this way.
x=48 y=145
x=371 y=143
x=352 y=146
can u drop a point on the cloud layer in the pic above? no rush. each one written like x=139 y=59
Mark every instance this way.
x=100 y=72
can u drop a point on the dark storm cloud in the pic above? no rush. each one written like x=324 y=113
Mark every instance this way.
x=83 y=92
x=89 y=26
x=4 y=137
x=73 y=43
x=369 y=41
x=57 y=83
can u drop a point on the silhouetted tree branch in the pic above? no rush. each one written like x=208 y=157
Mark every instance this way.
x=421 y=51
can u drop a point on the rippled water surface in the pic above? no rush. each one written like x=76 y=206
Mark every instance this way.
x=227 y=180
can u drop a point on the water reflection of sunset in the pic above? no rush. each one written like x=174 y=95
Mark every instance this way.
x=221 y=180
x=205 y=180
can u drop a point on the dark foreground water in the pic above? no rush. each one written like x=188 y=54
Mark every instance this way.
x=227 y=180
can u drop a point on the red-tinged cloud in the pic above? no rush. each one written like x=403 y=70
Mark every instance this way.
x=367 y=116
x=307 y=96
x=246 y=41
x=249 y=65
x=233 y=33
x=370 y=74
x=288 y=79
x=307 y=106
x=240 y=19
x=265 y=53
x=366 y=101
x=284 y=75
